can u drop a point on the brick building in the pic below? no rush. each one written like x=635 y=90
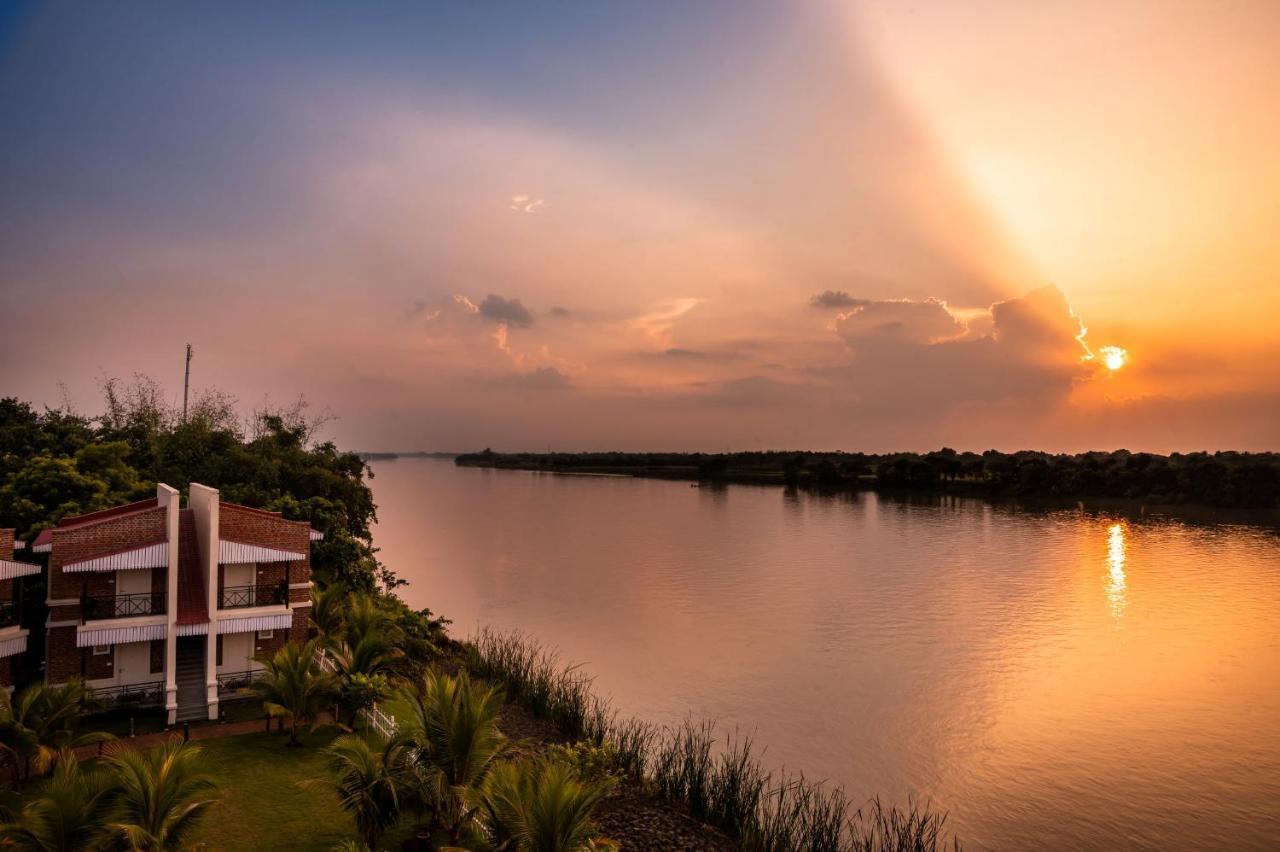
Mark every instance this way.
x=13 y=636
x=156 y=603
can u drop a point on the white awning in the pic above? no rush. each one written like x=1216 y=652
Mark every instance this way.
x=201 y=629
x=16 y=645
x=119 y=635
x=147 y=556
x=236 y=553
x=9 y=570
x=253 y=623
x=316 y=535
x=19 y=544
x=43 y=548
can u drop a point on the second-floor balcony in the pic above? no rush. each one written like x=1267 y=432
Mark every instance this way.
x=243 y=597
x=95 y=607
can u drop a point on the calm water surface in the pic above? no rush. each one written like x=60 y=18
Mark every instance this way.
x=1054 y=680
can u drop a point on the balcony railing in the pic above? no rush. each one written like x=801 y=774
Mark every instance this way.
x=8 y=614
x=240 y=597
x=150 y=694
x=230 y=683
x=122 y=606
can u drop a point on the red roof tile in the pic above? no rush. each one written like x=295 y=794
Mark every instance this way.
x=193 y=604
x=103 y=514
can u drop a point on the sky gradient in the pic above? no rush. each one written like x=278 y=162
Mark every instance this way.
x=700 y=226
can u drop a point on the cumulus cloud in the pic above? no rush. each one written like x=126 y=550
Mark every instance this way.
x=509 y=311
x=829 y=299
x=526 y=203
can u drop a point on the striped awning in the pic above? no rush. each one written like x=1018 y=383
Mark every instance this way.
x=16 y=645
x=43 y=548
x=200 y=628
x=119 y=635
x=154 y=555
x=252 y=623
x=316 y=535
x=9 y=570
x=235 y=553
x=19 y=544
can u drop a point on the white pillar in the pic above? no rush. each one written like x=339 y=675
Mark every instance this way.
x=168 y=497
x=204 y=501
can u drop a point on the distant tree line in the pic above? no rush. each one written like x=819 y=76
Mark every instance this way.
x=1226 y=479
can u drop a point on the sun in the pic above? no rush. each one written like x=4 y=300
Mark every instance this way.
x=1113 y=357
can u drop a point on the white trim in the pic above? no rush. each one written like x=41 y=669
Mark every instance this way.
x=252 y=624
x=238 y=553
x=19 y=544
x=13 y=644
x=87 y=638
x=47 y=547
x=199 y=629
x=147 y=556
x=315 y=535
x=9 y=570
x=305 y=585
x=74 y=623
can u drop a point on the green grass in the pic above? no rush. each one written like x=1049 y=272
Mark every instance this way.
x=262 y=806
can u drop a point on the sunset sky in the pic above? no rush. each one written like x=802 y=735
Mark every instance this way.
x=733 y=225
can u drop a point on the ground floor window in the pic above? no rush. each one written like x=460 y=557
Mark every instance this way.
x=265 y=634
x=101 y=650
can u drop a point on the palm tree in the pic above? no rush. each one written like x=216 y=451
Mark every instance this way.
x=42 y=721
x=541 y=806
x=162 y=793
x=452 y=726
x=326 y=611
x=291 y=685
x=362 y=671
x=68 y=813
x=375 y=786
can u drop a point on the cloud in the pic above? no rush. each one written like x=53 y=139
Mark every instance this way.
x=829 y=299
x=927 y=321
x=510 y=311
x=558 y=311
x=541 y=378
x=658 y=323
x=526 y=203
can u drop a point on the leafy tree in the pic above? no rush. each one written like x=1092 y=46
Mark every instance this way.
x=376 y=786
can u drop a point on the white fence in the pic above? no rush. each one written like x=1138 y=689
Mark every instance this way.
x=372 y=716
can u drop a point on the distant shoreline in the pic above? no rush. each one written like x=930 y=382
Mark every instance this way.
x=1143 y=481
x=417 y=454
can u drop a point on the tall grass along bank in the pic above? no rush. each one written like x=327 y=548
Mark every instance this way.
x=721 y=782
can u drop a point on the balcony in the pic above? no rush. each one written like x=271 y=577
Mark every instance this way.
x=244 y=597
x=95 y=607
x=149 y=694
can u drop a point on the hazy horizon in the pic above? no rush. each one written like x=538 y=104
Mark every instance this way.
x=702 y=227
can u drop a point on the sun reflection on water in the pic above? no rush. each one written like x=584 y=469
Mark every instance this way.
x=1116 y=548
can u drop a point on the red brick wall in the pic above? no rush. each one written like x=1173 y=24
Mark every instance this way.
x=105 y=536
x=249 y=526
x=99 y=665
x=6 y=544
x=6 y=589
x=63 y=655
x=267 y=647
x=6 y=671
x=301 y=629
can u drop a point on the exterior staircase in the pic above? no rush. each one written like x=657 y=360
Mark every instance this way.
x=190 y=672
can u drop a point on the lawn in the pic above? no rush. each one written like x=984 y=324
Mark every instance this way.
x=263 y=807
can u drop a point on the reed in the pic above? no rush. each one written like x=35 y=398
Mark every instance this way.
x=727 y=788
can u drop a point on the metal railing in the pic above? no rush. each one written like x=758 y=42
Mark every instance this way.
x=373 y=716
x=230 y=683
x=241 y=597
x=149 y=694
x=95 y=607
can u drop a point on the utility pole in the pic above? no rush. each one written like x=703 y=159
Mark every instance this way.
x=186 y=384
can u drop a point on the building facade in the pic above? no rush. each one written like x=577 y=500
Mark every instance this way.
x=154 y=602
x=13 y=636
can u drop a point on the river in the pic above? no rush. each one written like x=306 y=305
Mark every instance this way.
x=1052 y=679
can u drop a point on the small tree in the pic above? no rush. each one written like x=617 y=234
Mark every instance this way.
x=375 y=786
x=42 y=722
x=541 y=806
x=292 y=686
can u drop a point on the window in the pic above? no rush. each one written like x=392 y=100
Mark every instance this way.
x=265 y=634
x=101 y=650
